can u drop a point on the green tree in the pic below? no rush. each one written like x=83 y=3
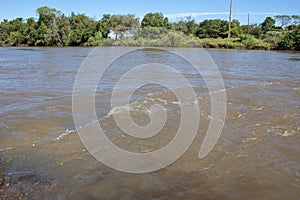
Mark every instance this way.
x=287 y=42
x=236 y=29
x=46 y=14
x=95 y=40
x=274 y=37
x=55 y=29
x=12 y=31
x=120 y=24
x=30 y=32
x=212 y=28
x=284 y=20
x=4 y=32
x=268 y=24
x=291 y=39
x=103 y=25
x=156 y=20
x=82 y=28
x=256 y=30
x=296 y=19
x=297 y=38
x=64 y=30
x=41 y=37
x=48 y=31
x=15 y=38
x=187 y=26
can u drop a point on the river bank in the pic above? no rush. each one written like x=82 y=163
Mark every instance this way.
x=247 y=43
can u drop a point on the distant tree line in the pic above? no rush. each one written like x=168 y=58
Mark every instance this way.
x=53 y=28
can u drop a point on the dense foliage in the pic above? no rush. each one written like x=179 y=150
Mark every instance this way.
x=52 y=28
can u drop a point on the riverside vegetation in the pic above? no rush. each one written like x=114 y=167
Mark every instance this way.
x=53 y=28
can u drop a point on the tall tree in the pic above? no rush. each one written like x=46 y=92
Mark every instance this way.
x=212 y=28
x=30 y=32
x=236 y=29
x=120 y=24
x=268 y=24
x=48 y=30
x=156 y=20
x=284 y=20
x=103 y=25
x=15 y=30
x=296 y=19
x=64 y=30
x=187 y=26
x=82 y=28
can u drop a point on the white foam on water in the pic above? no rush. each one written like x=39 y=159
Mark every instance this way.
x=272 y=83
x=286 y=133
x=119 y=109
x=176 y=102
x=64 y=134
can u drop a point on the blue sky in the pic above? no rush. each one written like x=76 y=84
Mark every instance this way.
x=174 y=9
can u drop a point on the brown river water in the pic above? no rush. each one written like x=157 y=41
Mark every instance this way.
x=256 y=157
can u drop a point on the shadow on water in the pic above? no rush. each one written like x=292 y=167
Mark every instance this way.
x=295 y=59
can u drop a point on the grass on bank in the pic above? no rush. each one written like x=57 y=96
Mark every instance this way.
x=157 y=37
x=154 y=38
x=244 y=42
x=176 y=40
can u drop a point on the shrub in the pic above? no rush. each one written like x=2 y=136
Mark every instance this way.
x=287 y=42
x=230 y=43
x=274 y=37
x=154 y=37
x=107 y=42
x=96 y=40
x=252 y=43
x=208 y=42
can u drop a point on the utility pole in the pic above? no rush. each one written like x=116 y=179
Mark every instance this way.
x=248 y=23
x=230 y=18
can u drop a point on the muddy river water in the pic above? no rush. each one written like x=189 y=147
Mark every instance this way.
x=256 y=157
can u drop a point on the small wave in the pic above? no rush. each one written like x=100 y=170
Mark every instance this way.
x=119 y=109
x=142 y=104
x=137 y=108
x=271 y=83
x=67 y=132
